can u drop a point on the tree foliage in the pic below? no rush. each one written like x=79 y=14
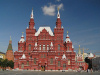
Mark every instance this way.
x=6 y=63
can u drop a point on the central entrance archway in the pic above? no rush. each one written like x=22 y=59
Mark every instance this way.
x=42 y=68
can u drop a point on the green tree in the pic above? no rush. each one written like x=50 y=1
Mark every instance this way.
x=4 y=63
x=1 y=61
x=11 y=64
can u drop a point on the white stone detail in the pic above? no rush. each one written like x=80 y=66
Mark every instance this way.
x=35 y=44
x=64 y=56
x=51 y=44
x=72 y=46
x=23 y=56
x=27 y=27
x=48 y=29
x=58 y=15
x=22 y=39
x=68 y=40
x=32 y=14
x=90 y=55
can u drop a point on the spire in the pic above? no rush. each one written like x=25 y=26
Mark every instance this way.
x=22 y=38
x=67 y=38
x=10 y=41
x=31 y=23
x=79 y=52
x=58 y=15
x=10 y=44
x=32 y=13
x=58 y=22
x=10 y=38
x=67 y=34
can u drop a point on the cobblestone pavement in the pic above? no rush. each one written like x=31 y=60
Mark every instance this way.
x=45 y=73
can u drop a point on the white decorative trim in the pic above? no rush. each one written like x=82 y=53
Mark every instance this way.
x=48 y=29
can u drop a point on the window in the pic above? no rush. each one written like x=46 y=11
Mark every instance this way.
x=47 y=47
x=58 y=47
x=51 y=61
x=29 y=47
x=27 y=63
x=21 y=48
x=40 y=47
x=59 y=63
x=58 y=53
x=64 y=65
x=44 y=56
x=43 y=47
x=68 y=61
x=68 y=48
x=41 y=55
x=22 y=66
x=34 y=60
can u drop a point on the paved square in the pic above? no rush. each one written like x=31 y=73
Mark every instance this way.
x=45 y=73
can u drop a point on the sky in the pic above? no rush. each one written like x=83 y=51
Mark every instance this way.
x=80 y=17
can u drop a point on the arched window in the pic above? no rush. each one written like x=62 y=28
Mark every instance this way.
x=68 y=48
x=47 y=47
x=21 y=48
x=59 y=63
x=51 y=61
x=22 y=66
x=68 y=61
x=64 y=65
x=43 y=47
x=29 y=47
x=58 y=47
x=34 y=60
x=39 y=47
x=27 y=63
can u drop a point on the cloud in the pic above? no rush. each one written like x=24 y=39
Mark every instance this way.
x=49 y=10
x=58 y=0
x=60 y=6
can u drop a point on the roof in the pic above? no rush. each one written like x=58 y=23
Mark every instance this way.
x=2 y=53
x=9 y=47
x=68 y=39
x=64 y=56
x=48 y=29
x=91 y=55
x=23 y=56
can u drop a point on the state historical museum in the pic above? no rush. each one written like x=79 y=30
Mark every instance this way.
x=44 y=50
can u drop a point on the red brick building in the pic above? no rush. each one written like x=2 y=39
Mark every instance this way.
x=80 y=61
x=9 y=53
x=44 y=49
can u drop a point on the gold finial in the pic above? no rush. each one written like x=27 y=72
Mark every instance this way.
x=22 y=33
x=32 y=8
x=58 y=8
x=67 y=32
x=79 y=45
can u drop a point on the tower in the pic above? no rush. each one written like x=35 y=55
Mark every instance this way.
x=58 y=33
x=9 y=53
x=68 y=43
x=30 y=32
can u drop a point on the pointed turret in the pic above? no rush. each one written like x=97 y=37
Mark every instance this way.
x=10 y=44
x=9 y=53
x=31 y=23
x=58 y=15
x=58 y=22
x=79 y=52
x=67 y=38
x=32 y=14
x=22 y=38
